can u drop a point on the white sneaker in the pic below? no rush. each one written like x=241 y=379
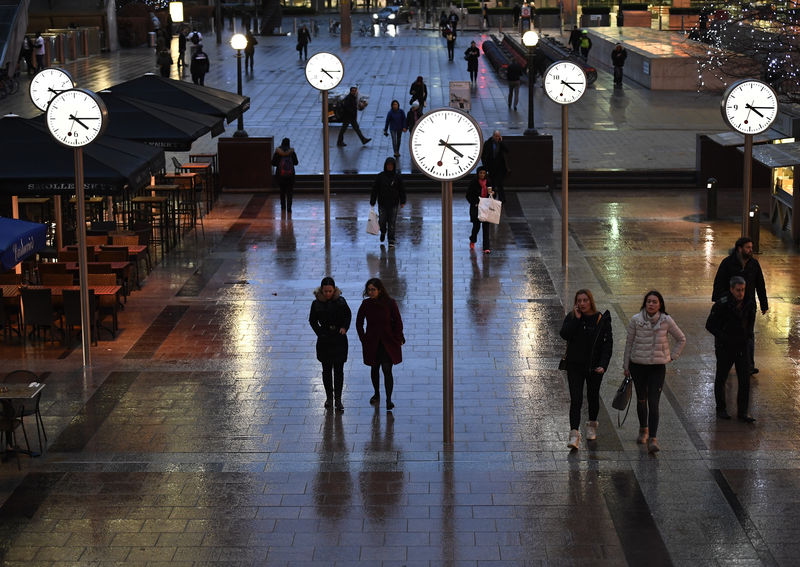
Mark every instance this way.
x=574 y=439
x=591 y=430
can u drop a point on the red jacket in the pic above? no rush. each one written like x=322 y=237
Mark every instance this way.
x=384 y=325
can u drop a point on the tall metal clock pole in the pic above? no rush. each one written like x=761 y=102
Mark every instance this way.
x=83 y=277
x=749 y=107
x=323 y=72
x=564 y=84
x=446 y=145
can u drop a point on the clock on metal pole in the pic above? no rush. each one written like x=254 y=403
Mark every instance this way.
x=446 y=145
x=564 y=84
x=325 y=71
x=75 y=118
x=749 y=107
x=46 y=84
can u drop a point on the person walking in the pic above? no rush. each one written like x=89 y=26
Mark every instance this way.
x=471 y=54
x=249 y=50
x=493 y=158
x=414 y=114
x=513 y=74
x=350 y=117
x=182 y=49
x=442 y=22
x=26 y=54
x=196 y=42
x=395 y=123
x=730 y=319
x=589 y=347
x=479 y=187
x=575 y=40
x=303 y=39
x=418 y=92
x=330 y=319
x=740 y=262
x=382 y=340
x=525 y=18
x=389 y=193
x=38 y=51
x=450 y=38
x=618 y=56
x=585 y=44
x=164 y=62
x=647 y=353
x=199 y=66
x=284 y=159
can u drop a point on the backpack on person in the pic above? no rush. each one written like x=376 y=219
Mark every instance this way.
x=286 y=166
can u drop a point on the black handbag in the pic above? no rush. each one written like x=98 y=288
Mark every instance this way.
x=622 y=399
x=562 y=364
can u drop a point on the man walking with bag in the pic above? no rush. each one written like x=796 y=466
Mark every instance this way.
x=388 y=192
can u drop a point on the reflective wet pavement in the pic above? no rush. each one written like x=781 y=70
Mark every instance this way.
x=199 y=437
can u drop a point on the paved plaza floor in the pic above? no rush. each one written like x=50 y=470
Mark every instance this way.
x=198 y=436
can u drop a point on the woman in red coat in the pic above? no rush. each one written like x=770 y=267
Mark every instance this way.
x=383 y=339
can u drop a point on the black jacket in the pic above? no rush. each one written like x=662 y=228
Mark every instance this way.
x=589 y=341
x=753 y=277
x=495 y=165
x=618 y=57
x=199 y=64
x=387 y=189
x=418 y=91
x=514 y=71
x=730 y=324
x=350 y=107
x=474 y=196
x=326 y=318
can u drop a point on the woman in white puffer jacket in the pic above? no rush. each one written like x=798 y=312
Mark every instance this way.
x=647 y=353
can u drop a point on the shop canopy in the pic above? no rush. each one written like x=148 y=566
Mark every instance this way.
x=188 y=96
x=18 y=240
x=35 y=164
x=173 y=129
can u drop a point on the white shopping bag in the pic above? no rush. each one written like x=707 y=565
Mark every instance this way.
x=489 y=210
x=372 y=223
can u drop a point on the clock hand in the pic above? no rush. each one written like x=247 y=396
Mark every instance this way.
x=450 y=147
x=52 y=90
x=324 y=71
x=442 y=143
x=753 y=108
x=462 y=144
x=78 y=120
x=566 y=84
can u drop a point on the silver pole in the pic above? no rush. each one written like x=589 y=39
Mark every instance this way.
x=326 y=183
x=86 y=329
x=748 y=182
x=59 y=222
x=564 y=186
x=447 y=311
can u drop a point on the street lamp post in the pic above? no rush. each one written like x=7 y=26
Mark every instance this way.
x=239 y=42
x=530 y=39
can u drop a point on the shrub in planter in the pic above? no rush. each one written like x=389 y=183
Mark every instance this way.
x=634 y=7
x=298 y=11
x=685 y=11
x=595 y=10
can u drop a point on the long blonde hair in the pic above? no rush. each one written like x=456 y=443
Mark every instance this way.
x=588 y=294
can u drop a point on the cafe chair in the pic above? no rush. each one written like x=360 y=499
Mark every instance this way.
x=106 y=304
x=96 y=240
x=10 y=278
x=9 y=422
x=177 y=164
x=72 y=315
x=69 y=255
x=7 y=314
x=57 y=280
x=37 y=311
x=32 y=407
x=107 y=254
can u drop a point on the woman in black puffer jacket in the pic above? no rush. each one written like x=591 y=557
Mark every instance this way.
x=330 y=318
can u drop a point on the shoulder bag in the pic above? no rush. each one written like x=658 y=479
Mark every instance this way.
x=622 y=399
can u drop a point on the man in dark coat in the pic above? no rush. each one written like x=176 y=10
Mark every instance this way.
x=618 y=56
x=303 y=39
x=199 y=66
x=513 y=74
x=740 y=262
x=350 y=117
x=729 y=321
x=575 y=39
x=388 y=192
x=493 y=158
x=182 y=49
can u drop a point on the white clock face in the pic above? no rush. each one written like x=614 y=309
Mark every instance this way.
x=749 y=106
x=76 y=117
x=564 y=82
x=324 y=71
x=446 y=144
x=46 y=84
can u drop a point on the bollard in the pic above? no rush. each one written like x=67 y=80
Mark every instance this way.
x=711 y=198
x=755 y=227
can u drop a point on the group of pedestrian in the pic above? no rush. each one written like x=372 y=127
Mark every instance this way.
x=589 y=337
x=32 y=53
x=380 y=331
x=398 y=121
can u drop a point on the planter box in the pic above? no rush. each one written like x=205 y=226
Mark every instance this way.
x=636 y=18
x=683 y=21
x=549 y=21
x=595 y=20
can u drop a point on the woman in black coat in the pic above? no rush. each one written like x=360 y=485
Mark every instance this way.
x=330 y=319
x=479 y=187
x=471 y=54
x=589 y=345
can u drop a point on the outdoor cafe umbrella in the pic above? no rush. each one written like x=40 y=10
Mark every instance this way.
x=170 y=128
x=35 y=164
x=18 y=240
x=188 y=96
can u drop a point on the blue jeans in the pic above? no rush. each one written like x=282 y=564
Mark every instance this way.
x=396 y=136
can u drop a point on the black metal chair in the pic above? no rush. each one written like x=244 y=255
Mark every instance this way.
x=37 y=311
x=177 y=164
x=7 y=313
x=31 y=408
x=9 y=422
x=72 y=314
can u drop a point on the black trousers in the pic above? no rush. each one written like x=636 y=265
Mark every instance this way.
x=248 y=60
x=333 y=379
x=286 y=184
x=478 y=225
x=617 y=75
x=356 y=129
x=385 y=364
x=576 y=380
x=648 y=379
x=739 y=359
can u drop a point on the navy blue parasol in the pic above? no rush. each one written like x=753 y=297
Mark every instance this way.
x=18 y=240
